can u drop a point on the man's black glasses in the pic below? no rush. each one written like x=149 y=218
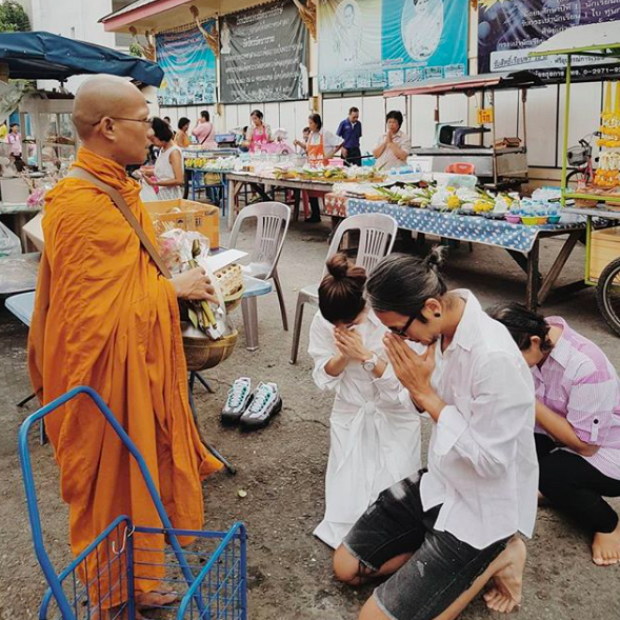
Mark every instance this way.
x=402 y=331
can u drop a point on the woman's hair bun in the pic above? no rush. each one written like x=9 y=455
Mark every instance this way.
x=338 y=266
x=341 y=293
x=435 y=259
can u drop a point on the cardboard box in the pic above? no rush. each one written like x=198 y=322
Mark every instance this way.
x=604 y=248
x=188 y=215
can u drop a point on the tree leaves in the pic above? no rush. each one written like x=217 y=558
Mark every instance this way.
x=13 y=18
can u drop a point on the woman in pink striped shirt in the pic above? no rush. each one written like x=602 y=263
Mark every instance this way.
x=577 y=422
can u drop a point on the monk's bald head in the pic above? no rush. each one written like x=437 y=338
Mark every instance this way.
x=101 y=96
x=111 y=117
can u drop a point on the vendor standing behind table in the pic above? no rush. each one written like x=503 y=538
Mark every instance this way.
x=181 y=139
x=258 y=134
x=14 y=138
x=393 y=147
x=168 y=168
x=322 y=144
x=350 y=130
x=204 y=132
x=300 y=145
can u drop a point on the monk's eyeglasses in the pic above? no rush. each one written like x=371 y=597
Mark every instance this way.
x=148 y=121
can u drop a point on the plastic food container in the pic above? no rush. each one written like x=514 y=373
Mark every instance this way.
x=512 y=219
x=529 y=220
x=542 y=219
x=554 y=219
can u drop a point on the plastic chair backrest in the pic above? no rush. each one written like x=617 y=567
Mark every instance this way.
x=377 y=237
x=272 y=221
x=461 y=167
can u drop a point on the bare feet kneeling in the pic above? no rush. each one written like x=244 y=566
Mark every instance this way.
x=506 y=584
x=606 y=547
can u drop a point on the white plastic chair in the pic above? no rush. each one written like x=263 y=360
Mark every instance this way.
x=377 y=237
x=272 y=221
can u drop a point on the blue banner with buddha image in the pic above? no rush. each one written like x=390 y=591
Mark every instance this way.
x=424 y=39
x=189 y=67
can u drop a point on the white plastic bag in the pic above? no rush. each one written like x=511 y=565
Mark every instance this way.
x=10 y=245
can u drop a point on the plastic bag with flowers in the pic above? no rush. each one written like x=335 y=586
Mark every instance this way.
x=183 y=250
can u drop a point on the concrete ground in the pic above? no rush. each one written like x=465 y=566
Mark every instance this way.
x=282 y=467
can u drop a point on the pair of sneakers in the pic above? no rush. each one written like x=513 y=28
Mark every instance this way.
x=251 y=409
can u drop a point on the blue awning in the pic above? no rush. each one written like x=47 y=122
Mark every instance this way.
x=46 y=56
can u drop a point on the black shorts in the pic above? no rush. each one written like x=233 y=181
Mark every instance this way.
x=441 y=568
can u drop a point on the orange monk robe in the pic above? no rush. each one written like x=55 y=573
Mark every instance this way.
x=105 y=318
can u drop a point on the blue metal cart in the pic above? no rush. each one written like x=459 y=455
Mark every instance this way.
x=209 y=575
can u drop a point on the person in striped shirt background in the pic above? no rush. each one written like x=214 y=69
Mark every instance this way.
x=577 y=422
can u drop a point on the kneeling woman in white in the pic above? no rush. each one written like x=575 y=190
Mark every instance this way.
x=375 y=440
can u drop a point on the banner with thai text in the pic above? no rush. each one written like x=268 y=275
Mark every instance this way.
x=510 y=29
x=263 y=54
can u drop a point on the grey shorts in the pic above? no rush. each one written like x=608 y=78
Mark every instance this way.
x=441 y=568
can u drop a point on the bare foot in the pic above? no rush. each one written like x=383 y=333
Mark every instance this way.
x=505 y=593
x=606 y=548
x=146 y=600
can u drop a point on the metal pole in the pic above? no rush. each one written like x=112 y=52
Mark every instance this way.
x=492 y=102
x=524 y=104
x=588 y=248
x=481 y=107
x=566 y=117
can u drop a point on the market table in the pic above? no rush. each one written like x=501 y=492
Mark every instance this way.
x=21 y=213
x=196 y=184
x=520 y=241
x=262 y=185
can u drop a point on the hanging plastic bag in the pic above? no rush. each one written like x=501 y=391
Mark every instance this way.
x=10 y=245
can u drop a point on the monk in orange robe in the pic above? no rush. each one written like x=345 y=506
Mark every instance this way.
x=104 y=317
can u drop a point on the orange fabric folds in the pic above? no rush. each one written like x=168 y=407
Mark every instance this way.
x=105 y=318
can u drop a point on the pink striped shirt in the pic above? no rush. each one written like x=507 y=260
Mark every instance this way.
x=578 y=382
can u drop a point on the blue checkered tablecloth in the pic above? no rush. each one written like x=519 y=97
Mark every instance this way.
x=476 y=229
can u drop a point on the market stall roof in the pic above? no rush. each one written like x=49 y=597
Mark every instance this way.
x=465 y=85
x=591 y=39
x=163 y=15
x=46 y=56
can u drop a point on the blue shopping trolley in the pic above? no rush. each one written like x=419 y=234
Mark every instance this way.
x=209 y=575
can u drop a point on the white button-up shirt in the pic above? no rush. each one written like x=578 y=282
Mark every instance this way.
x=482 y=464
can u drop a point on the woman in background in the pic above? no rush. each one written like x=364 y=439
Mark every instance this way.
x=182 y=140
x=375 y=440
x=320 y=147
x=577 y=422
x=393 y=147
x=258 y=134
x=168 y=170
x=182 y=137
x=204 y=132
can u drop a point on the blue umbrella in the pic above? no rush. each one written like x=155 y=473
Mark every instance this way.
x=46 y=56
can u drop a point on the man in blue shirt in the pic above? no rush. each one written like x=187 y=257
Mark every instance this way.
x=350 y=130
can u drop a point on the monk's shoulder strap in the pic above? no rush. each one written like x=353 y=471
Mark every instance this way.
x=123 y=207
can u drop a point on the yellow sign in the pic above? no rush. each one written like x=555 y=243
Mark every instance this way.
x=485 y=116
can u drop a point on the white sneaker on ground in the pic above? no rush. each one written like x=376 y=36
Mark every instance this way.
x=266 y=403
